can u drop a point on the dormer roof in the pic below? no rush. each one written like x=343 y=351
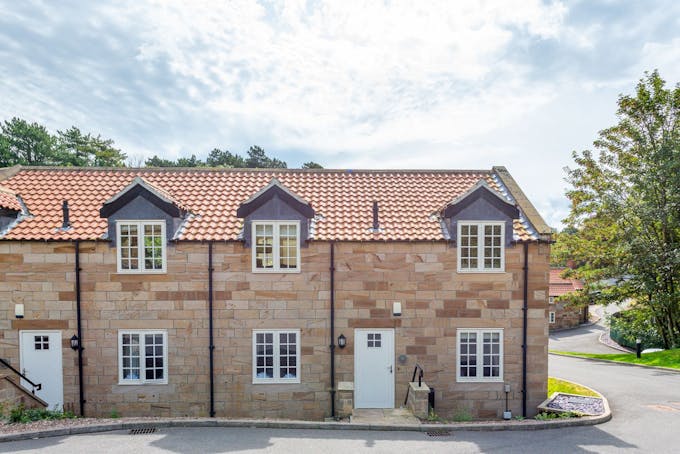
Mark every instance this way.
x=275 y=189
x=139 y=187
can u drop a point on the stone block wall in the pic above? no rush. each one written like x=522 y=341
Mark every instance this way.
x=567 y=315
x=369 y=278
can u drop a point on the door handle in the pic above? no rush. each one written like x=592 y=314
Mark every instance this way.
x=390 y=368
x=23 y=371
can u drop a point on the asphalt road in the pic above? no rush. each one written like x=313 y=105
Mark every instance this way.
x=585 y=338
x=645 y=402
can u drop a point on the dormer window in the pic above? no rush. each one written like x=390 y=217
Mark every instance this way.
x=481 y=246
x=276 y=246
x=141 y=246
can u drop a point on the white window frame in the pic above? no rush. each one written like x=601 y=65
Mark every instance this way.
x=140 y=245
x=551 y=317
x=551 y=300
x=276 y=246
x=142 y=380
x=480 y=354
x=277 y=357
x=480 y=247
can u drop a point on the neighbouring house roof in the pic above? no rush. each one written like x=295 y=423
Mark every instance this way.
x=342 y=200
x=559 y=286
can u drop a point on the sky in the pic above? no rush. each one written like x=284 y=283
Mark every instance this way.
x=348 y=84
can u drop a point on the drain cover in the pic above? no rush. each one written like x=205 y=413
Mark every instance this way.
x=144 y=431
x=438 y=433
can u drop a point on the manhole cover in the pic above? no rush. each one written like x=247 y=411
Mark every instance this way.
x=144 y=431
x=438 y=433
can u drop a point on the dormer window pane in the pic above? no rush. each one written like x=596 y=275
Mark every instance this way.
x=137 y=239
x=276 y=246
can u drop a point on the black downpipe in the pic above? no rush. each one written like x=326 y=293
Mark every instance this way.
x=524 y=329
x=332 y=346
x=211 y=347
x=81 y=389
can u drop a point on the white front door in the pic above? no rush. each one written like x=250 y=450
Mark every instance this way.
x=40 y=357
x=374 y=368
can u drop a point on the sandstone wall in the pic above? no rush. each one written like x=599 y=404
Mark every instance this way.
x=369 y=278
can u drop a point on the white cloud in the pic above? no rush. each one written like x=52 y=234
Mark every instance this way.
x=351 y=75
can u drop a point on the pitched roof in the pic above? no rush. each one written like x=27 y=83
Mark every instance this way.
x=559 y=285
x=342 y=200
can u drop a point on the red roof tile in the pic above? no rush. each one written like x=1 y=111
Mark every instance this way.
x=559 y=286
x=342 y=200
x=8 y=199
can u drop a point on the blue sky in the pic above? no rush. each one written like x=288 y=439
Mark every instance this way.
x=349 y=84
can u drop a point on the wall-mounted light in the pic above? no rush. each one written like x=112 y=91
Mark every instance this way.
x=19 y=310
x=75 y=342
x=342 y=341
x=396 y=308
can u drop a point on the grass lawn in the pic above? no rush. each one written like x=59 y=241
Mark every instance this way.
x=561 y=386
x=666 y=358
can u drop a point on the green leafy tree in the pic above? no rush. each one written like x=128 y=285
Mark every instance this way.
x=26 y=144
x=626 y=207
x=224 y=158
x=190 y=162
x=258 y=159
x=77 y=149
x=311 y=165
x=156 y=161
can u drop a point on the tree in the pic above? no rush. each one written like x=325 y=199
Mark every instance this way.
x=626 y=207
x=311 y=165
x=26 y=144
x=156 y=161
x=76 y=149
x=224 y=158
x=190 y=162
x=258 y=159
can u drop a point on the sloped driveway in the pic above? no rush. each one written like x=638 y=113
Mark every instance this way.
x=585 y=339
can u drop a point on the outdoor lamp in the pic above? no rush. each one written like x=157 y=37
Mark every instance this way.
x=75 y=342
x=342 y=341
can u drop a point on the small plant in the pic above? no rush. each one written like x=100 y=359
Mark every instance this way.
x=462 y=415
x=434 y=417
x=114 y=414
x=21 y=414
x=519 y=418
x=544 y=416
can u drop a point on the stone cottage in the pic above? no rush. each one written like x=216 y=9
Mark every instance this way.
x=255 y=293
x=563 y=313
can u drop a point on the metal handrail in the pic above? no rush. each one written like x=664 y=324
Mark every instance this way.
x=420 y=380
x=36 y=386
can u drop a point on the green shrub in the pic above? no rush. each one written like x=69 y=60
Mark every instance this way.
x=462 y=414
x=635 y=323
x=21 y=414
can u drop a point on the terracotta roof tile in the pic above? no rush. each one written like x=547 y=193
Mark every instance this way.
x=343 y=200
x=8 y=199
x=559 y=285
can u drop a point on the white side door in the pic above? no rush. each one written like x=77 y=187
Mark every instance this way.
x=40 y=358
x=374 y=368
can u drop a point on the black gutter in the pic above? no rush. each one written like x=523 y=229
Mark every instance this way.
x=525 y=309
x=211 y=346
x=332 y=346
x=80 y=333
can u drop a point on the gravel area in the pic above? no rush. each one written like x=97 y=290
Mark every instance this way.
x=580 y=404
